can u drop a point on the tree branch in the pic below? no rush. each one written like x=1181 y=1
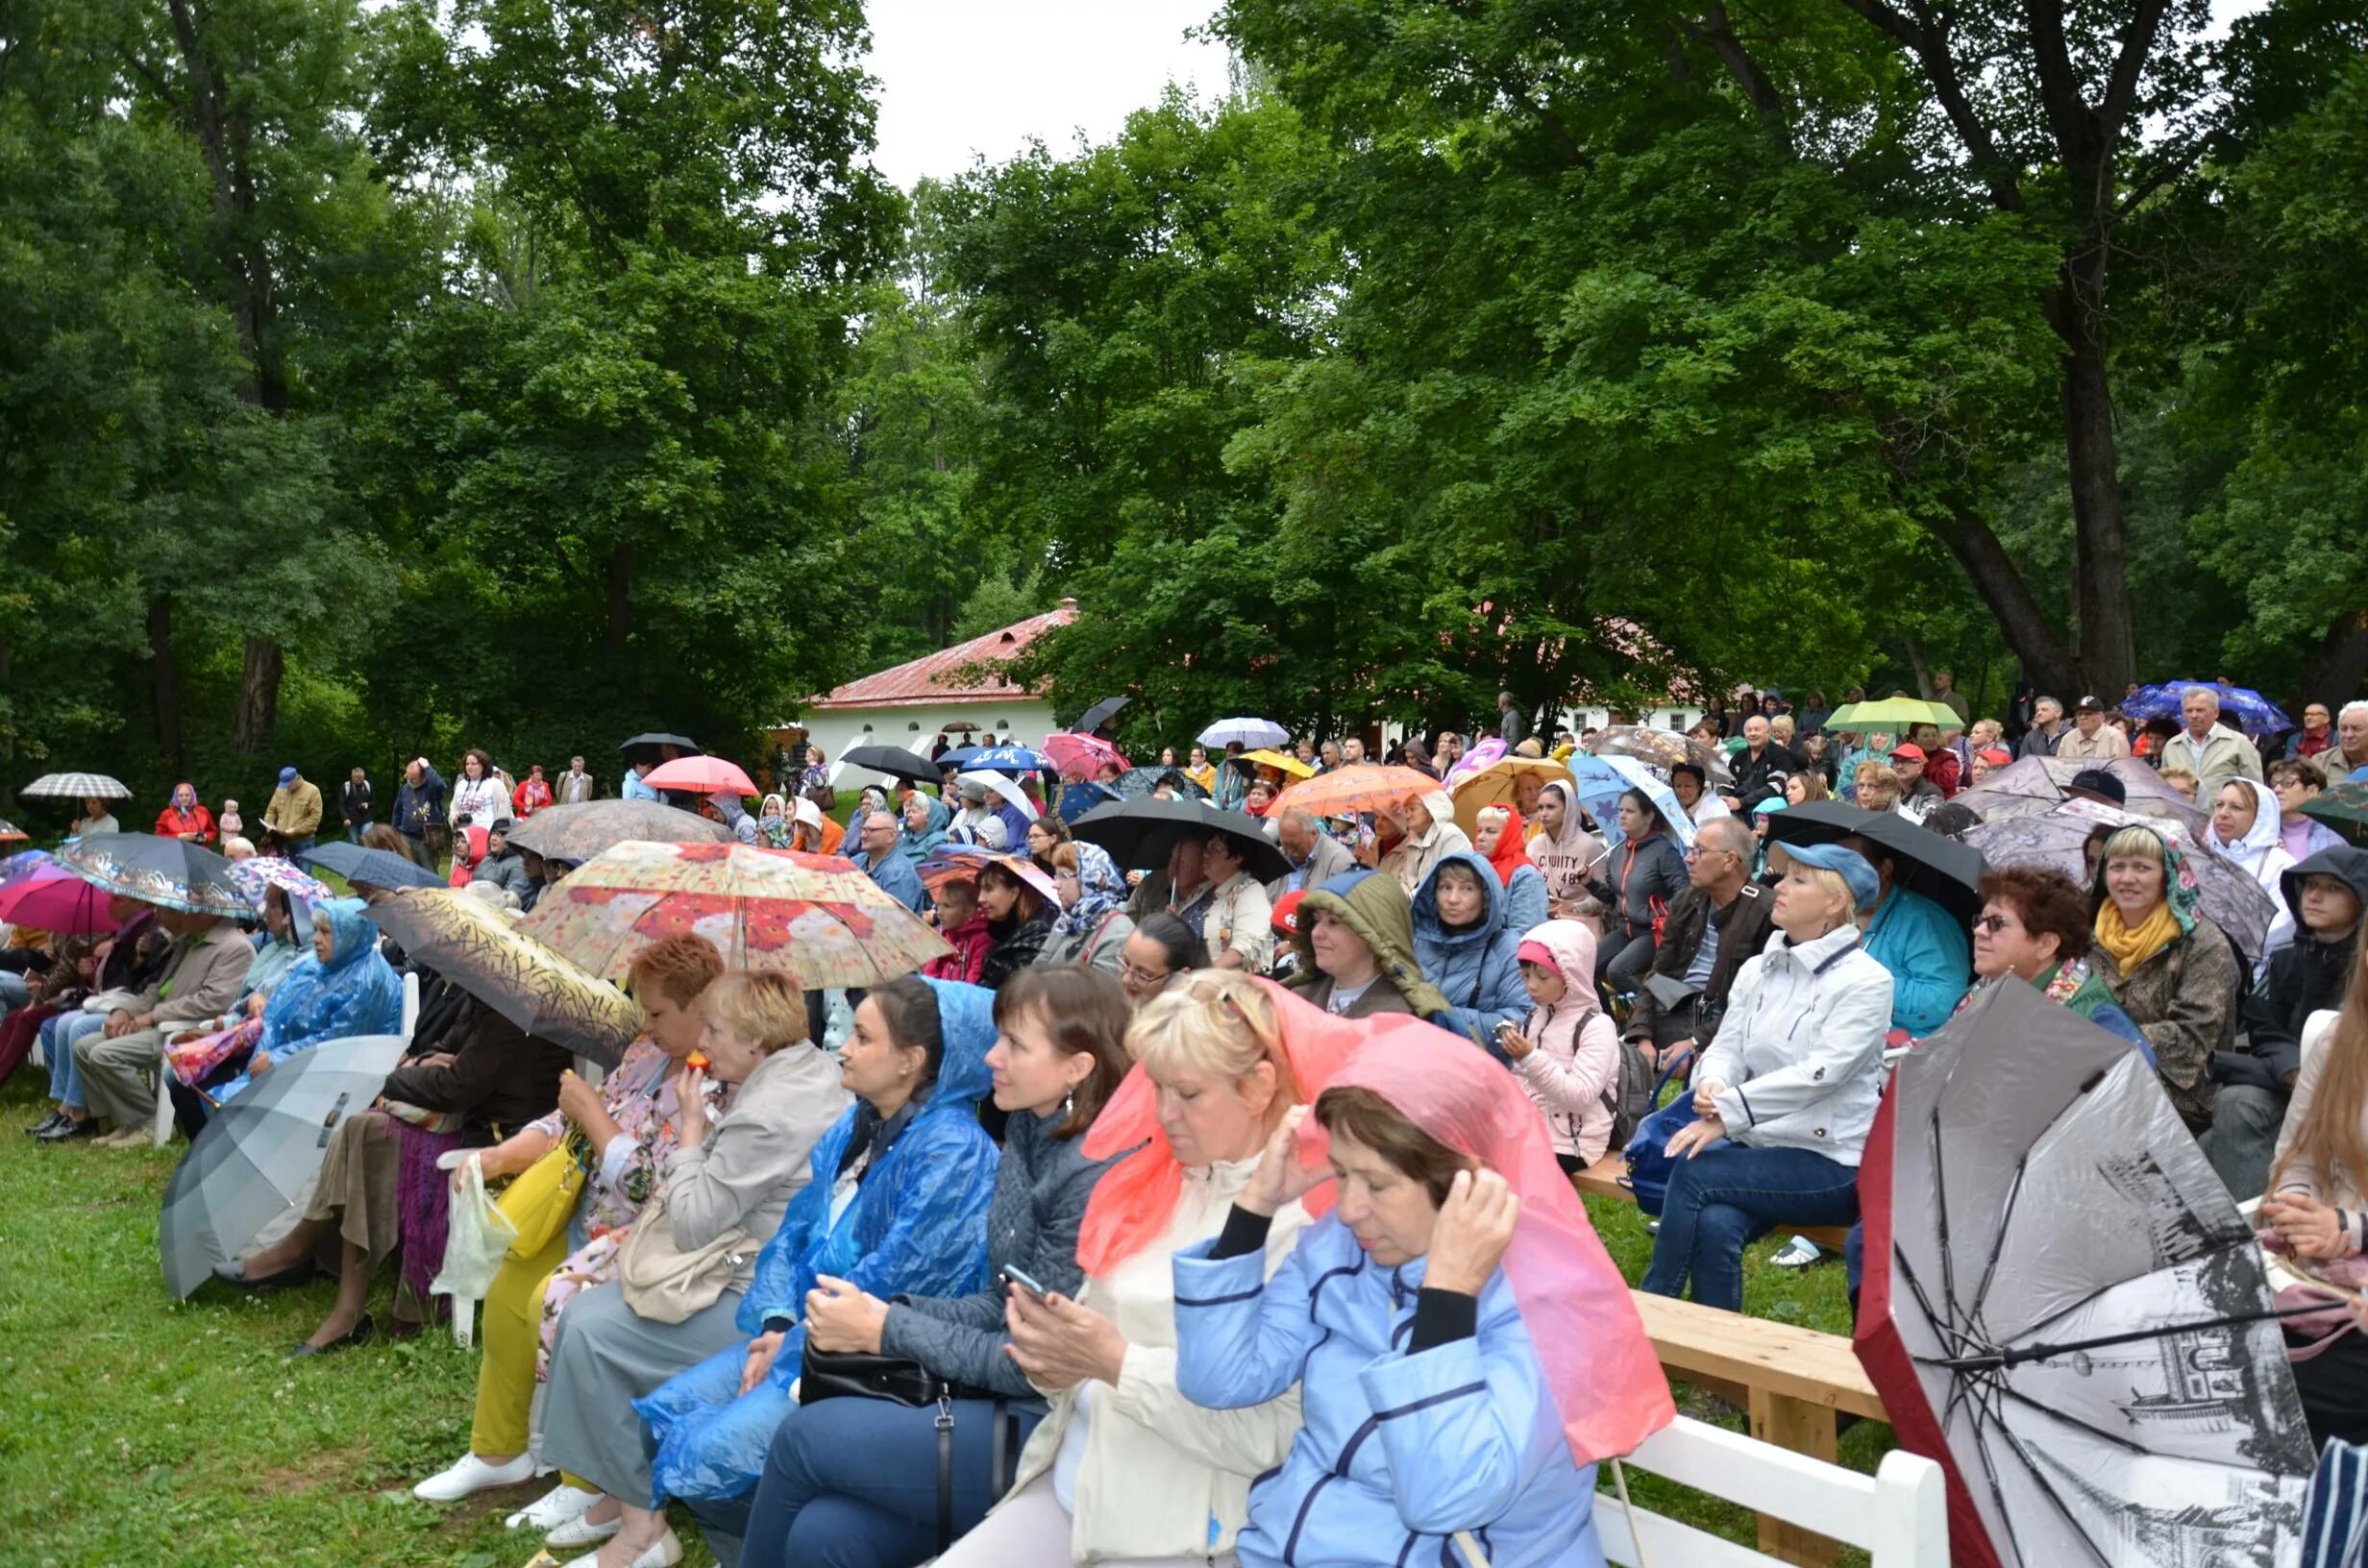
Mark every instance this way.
x=1928 y=41
x=2138 y=42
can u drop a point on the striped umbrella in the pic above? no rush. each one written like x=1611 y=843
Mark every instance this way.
x=77 y=787
x=1365 y=786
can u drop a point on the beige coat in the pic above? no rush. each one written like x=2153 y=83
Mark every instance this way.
x=202 y=982
x=1158 y=1469
x=756 y=1156
x=2107 y=743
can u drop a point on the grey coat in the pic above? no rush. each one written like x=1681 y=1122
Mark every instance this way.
x=1330 y=858
x=757 y=1155
x=1041 y=1186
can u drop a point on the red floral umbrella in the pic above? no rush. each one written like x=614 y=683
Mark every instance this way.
x=1082 y=756
x=816 y=917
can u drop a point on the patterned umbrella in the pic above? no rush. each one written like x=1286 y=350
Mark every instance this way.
x=1283 y=761
x=256 y=873
x=1003 y=759
x=579 y=832
x=1600 y=782
x=1662 y=748
x=2034 y=786
x=963 y=862
x=1082 y=756
x=1364 y=786
x=540 y=989
x=1494 y=785
x=10 y=833
x=1249 y=731
x=2254 y=713
x=1138 y=782
x=817 y=918
x=77 y=787
x=700 y=776
x=167 y=873
x=2343 y=806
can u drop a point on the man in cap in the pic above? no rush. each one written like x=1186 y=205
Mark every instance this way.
x=2092 y=738
x=1917 y=794
x=294 y=815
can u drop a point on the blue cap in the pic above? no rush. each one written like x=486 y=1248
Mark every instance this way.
x=1865 y=886
x=287 y=776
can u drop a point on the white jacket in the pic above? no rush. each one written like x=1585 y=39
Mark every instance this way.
x=1159 y=1470
x=484 y=800
x=2262 y=854
x=1801 y=1047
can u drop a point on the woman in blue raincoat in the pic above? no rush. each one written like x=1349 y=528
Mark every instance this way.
x=341 y=989
x=1465 y=950
x=898 y=1206
x=926 y=820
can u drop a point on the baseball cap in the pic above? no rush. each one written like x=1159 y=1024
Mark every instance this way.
x=2101 y=782
x=1845 y=862
x=287 y=776
x=1911 y=751
x=1286 y=912
x=2089 y=704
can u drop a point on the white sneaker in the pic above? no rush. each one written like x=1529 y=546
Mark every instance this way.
x=470 y=1475
x=1798 y=1252
x=582 y=1531
x=562 y=1504
x=664 y=1553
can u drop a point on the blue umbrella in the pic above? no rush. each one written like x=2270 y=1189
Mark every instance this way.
x=1006 y=759
x=379 y=867
x=2253 y=712
x=1600 y=782
x=959 y=757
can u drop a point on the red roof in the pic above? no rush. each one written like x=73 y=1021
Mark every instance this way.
x=966 y=673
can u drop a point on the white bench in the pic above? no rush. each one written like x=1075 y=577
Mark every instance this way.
x=1898 y=1515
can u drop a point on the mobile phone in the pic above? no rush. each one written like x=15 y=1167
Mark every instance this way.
x=1019 y=1277
x=1506 y=1031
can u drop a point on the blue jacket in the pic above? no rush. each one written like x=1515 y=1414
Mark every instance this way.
x=1526 y=904
x=1930 y=956
x=356 y=992
x=1396 y=1452
x=895 y=876
x=1477 y=969
x=918 y=1224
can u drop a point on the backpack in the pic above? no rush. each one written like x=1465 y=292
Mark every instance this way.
x=1630 y=1094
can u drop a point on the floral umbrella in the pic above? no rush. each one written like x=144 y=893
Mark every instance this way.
x=818 y=918
x=1663 y=748
x=1363 y=786
x=536 y=988
x=256 y=873
x=167 y=873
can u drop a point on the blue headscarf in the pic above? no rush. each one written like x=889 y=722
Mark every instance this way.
x=1100 y=889
x=917 y=845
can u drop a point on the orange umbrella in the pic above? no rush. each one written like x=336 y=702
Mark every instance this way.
x=1364 y=786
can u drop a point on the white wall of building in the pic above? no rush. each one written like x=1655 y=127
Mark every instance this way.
x=915 y=729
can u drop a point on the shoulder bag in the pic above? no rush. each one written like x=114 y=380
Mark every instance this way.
x=833 y=1374
x=666 y=1282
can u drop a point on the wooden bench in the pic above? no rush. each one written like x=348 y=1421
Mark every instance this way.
x=1607 y=1177
x=1795 y=1382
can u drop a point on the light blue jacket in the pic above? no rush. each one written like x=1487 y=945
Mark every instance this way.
x=917 y=1225
x=1477 y=969
x=1526 y=904
x=1396 y=1452
x=356 y=992
x=1930 y=956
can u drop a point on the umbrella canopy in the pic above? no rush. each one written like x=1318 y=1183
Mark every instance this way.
x=1082 y=756
x=817 y=918
x=1363 y=786
x=1495 y=784
x=700 y=776
x=1892 y=716
x=963 y=862
x=1662 y=748
x=1138 y=782
x=2034 y=785
x=1140 y=833
x=1282 y=761
x=167 y=873
x=77 y=787
x=49 y=898
x=2028 y=1189
x=379 y=867
x=256 y=873
x=542 y=991
x=2230 y=897
x=1000 y=784
x=1004 y=759
x=1944 y=870
x=10 y=833
x=657 y=740
x=253 y=1159
x=1600 y=782
x=1250 y=732
x=894 y=761
x=1100 y=714
x=2250 y=711
x=579 y=832
x=2343 y=805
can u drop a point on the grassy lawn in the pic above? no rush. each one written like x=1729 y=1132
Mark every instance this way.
x=146 y=1431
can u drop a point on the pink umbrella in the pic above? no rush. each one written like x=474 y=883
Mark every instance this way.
x=52 y=898
x=700 y=776
x=1082 y=756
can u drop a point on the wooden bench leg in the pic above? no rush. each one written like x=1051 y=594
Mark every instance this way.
x=1803 y=1427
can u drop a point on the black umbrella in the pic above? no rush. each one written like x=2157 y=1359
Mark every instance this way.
x=171 y=874
x=1100 y=714
x=1139 y=834
x=1942 y=870
x=894 y=761
x=653 y=740
x=379 y=867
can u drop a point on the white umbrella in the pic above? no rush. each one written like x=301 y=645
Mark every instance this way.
x=1008 y=788
x=1252 y=733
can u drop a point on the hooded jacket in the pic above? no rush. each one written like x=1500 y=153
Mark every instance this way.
x=1639 y=876
x=1743 y=928
x=2182 y=998
x=1412 y=860
x=1930 y=956
x=1474 y=966
x=1370 y=904
x=2306 y=976
x=917 y=1224
x=1576 y=1060
x=356 y=992
x=1565 y=859
x=2262 y=854
x=972 y=942
x=1801 y=1050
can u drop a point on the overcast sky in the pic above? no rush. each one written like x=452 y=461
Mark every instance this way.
x=964 y=77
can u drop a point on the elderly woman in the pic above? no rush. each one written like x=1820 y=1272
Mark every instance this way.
x=2171 y=970
x=1240 y=923
x=1464 y=1350
x=186 y=819
x=95 y=819
x=1644 y=876
x=1565 y=853
x=1092 y=925
x=925 y=820
x=1785 y=1091
x=1877 y=786
x=1499 y=836
x=1466 y=950
x=1427 y=834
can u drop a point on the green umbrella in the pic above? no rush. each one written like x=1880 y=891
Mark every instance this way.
x=2343 y=806
x=1892 y=716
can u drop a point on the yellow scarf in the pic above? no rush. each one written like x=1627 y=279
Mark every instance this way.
x=2130 y=948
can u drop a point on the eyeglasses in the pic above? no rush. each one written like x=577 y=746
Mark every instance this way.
x=1143 y=977
x=1993 y=924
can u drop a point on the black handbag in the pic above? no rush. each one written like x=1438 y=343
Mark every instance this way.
x=854 y=1374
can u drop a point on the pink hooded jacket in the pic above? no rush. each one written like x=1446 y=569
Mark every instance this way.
x=1578 y=1047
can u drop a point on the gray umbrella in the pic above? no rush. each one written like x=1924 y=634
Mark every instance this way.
x=250 y=1162
x=579 y=832
x=2037 y=784
x=171 y=874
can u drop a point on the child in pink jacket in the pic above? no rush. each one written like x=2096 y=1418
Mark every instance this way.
x=1568 y=1054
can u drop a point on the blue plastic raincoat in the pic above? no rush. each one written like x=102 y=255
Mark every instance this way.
x=1477 y=969
x=917 y=1226
x=356 y=992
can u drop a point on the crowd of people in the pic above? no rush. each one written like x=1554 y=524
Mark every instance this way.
x=1219 y=1208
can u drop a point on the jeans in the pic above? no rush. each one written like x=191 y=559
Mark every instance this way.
x=1625 y=972
x=13 y=992
x=2243 y=1137
x=1729 y=1195
x=58 y=1037
x=353 y=832
x=852 y=1483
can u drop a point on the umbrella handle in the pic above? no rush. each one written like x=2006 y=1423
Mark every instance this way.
x=2002 y=1360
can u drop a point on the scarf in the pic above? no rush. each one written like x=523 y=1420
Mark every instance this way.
x=1100 y=889
x=1511 y=851
x=2128 y=947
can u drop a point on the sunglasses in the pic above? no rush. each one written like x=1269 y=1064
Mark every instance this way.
x=1993 y=924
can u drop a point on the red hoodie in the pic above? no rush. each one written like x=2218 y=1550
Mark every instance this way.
x=971 y=944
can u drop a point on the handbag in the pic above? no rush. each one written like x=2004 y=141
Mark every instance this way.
x=853 y=1374
x=666 y=1282
x=1649 y=1166
x=539 y=1203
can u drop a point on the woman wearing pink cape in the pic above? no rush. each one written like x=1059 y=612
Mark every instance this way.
x=1465 y=1349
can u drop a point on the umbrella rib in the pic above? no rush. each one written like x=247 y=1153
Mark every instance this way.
x=1989 y=1469
x=2117 y=1440
x=2069 y=1307
x=2006 y=1218
x=1947 y=1327
x=2047 y=1487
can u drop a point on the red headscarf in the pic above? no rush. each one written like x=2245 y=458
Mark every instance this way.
x=1511 y=851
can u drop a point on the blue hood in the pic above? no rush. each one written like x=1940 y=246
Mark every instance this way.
x=1430 y=931
x=966 y=1021
x=350 y=934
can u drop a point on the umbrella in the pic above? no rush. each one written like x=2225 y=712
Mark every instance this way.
x=1892 y=716
x=1140 y=833
x=1249 y=731
x=1364 y=786
x=2063 y=1308
x=379 y=867
x=2033 y=785
x=1600 y=782
x=1281 y=760
x=542 y=991
x=1004 y=759
x=2254 y=713
x=77 y=787
x=656 y=740
x=1082 y=756
x=256 y=873
x=167 y=873
x=1944 y=870
x=817 y=918
x=2231 y=899
x=10 y=833
x=998 y=784
x=256 y=1155
x=963 y=862
x=894 y=761
x=46 y=897
x=701 y=775
x=1662 y=748
x=2343 y=806
x=580 y=831
x=1100 y=714
x=956 y=758
x=1138 y=782
x=1495 y=786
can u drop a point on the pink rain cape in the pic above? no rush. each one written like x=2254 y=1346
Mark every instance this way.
x=1605 y=1377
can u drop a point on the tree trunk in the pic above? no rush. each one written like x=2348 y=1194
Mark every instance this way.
x=259 y=694
x=1922 y=667
x=2002 y=587
x=2337 y=665
x=2108 y=654
x=620 y=598
x=165 y=669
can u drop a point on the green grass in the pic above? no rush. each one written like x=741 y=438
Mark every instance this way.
x=144 y=1431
